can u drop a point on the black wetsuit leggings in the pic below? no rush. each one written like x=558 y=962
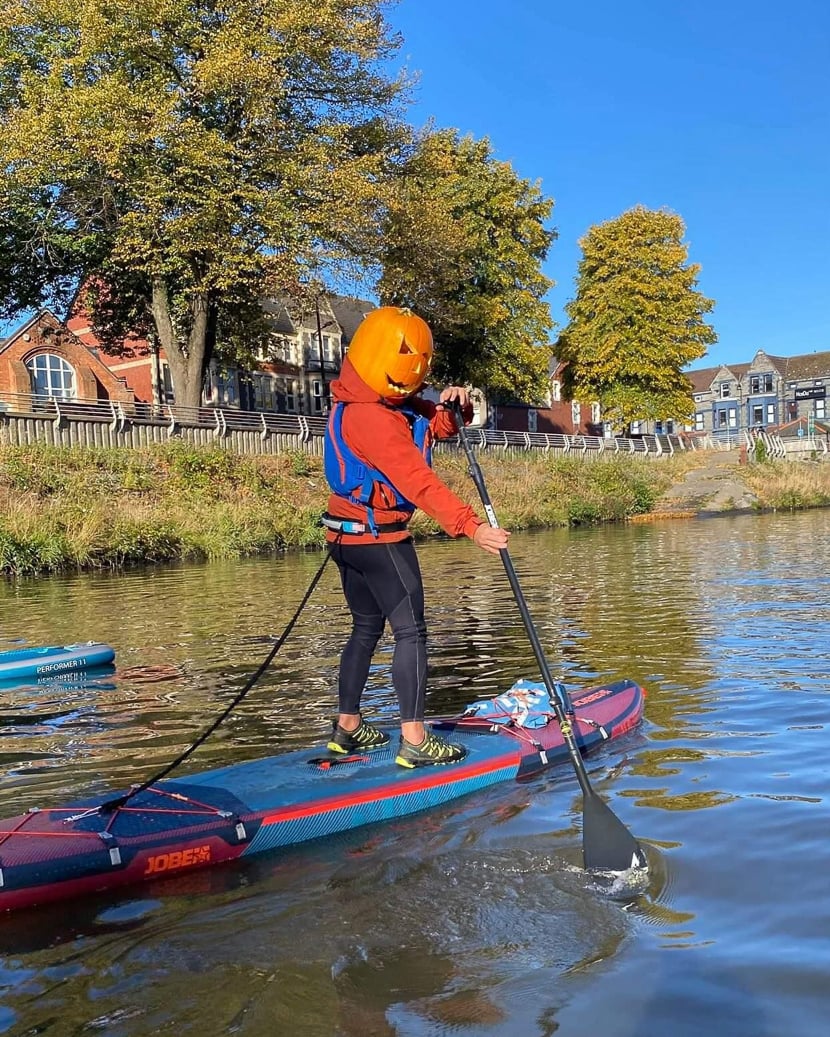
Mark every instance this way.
x=383 y=582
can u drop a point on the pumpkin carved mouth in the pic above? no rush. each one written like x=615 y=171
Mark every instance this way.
x=398 y=387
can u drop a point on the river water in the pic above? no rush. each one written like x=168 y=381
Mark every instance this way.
x=472 y=920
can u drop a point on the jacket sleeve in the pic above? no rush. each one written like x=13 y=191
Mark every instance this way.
x=386 y=443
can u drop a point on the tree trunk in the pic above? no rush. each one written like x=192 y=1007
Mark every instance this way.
x=187 y=356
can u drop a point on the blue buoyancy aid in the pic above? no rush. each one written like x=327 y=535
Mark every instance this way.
x=353 y=479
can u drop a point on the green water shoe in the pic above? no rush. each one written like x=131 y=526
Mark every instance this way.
x=433 y=750
x=364 y=737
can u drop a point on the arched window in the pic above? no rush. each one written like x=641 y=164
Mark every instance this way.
x=51 y=376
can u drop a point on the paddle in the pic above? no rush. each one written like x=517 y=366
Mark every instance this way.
x=607 y=845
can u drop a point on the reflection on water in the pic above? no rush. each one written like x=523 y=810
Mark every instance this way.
x=472 y=920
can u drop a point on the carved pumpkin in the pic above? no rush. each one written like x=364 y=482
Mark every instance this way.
x=392 y=352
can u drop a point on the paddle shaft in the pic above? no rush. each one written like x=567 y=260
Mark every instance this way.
x=554 y=692
x=606 y=843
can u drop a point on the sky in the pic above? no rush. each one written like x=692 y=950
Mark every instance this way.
x=718 y=110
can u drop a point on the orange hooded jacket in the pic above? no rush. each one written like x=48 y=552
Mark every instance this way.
x=380 y=435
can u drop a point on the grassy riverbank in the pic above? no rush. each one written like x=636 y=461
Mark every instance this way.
x=789 y=485
x=80 y=509
x=63 y=509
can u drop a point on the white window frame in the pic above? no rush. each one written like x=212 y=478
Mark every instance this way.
x=331 y=348
x=57 y=374
x=316 y=396
x=266 y=390
x=283 y=348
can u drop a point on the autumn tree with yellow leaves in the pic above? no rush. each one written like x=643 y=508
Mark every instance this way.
x=185 y=159
x=464 y=240
x=636 y=321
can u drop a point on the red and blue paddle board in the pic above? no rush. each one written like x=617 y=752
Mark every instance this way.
x=265 y=805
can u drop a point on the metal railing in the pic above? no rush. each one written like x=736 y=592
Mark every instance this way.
x=651 y=446
x=120 y=418
x=791 y=448
x=120 y=414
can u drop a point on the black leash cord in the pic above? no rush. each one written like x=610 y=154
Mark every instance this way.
x=114 y=804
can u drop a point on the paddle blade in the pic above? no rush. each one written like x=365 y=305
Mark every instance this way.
x=607 y=845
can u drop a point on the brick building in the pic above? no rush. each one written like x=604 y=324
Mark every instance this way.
x=44 y=358
x=301 y=354
x=297 y=361
x=555 y=415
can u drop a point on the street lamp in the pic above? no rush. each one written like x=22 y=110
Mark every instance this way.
x=324 y=396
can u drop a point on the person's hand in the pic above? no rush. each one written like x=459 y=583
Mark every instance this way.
x=490 y=539
x=454 y=392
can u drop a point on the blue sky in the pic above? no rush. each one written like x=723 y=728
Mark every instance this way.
x=719 y=111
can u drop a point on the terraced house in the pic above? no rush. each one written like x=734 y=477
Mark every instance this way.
x=303 y=352
x=770 y=392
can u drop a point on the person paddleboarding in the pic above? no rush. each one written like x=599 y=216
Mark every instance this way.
x=378 y=465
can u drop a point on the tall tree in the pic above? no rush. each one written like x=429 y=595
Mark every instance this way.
x=463 y=246
x=185 y=158
x=637 y=319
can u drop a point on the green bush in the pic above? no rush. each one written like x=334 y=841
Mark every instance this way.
x=206 y=471
x=299 y=462
x=43 y=551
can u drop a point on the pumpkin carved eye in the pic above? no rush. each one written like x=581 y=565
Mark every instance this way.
x=405 y=347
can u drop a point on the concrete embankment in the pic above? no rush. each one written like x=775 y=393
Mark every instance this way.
x=717 y=484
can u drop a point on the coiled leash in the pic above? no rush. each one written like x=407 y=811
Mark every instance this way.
x=115 y=804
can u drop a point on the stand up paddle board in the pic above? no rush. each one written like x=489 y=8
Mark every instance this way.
x=33 y=663
x=264 y=805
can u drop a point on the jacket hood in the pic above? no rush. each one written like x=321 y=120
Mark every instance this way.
x=349 y=387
